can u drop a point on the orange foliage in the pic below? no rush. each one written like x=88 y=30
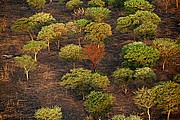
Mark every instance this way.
x=95 y=53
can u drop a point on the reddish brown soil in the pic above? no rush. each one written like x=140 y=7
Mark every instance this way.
x=19 y=99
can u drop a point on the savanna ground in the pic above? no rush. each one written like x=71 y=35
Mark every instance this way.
x=19 y=99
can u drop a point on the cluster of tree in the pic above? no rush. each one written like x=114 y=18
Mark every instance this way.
x=91 y=31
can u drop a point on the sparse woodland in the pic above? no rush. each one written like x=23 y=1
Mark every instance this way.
x=89 y=60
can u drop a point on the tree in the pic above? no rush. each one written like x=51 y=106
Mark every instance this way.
x=34 y=47
x=142 y=23
x=96 y=3
x=169 y=49
x=72 y=53
x=97 y=32
x=73 y=4
x=94 y=53
x=36 y=4
x=145 y=98
x=139 y=55
x=97 y=14
x=84 y=81
x=98 y=103
x=27 y=63
x=167 y=96
x=122 y=76
x=49 y=113
x=133 y=5
x=122 y=117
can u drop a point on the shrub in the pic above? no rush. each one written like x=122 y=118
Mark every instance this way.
x=36 y=4
x=27 y=63
x=84 y=81
x=176 y=78
x=167 y=96
x=97 y=32
x=98 y=103
x=133 y=5
x=145 y=98
x=97 y=14
x=34 y=47
x=94 y=53
x=49 y=113
x=169 y=49
x=145 y=73
x=138 y=55
x=141 y=23
x=96 y=3
x=122 y=75
x=122 y=117
x=71 y=52
x=73 y=4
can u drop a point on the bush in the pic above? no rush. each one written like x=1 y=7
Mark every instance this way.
x=138 y=55
x=167 y=97
x=73 y=4
x=84 y=81
x=36 y=4
x=141 y=23
x=97 y=32
x=97 y=14
x=169 y=49
x=145 y=73
x=98 y=103
x=49 y=113
x=96 y=3
x=133 y=5
x=176 y=78
x=123 y=75
x=122 y=117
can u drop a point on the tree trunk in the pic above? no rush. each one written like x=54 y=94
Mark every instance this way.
x=169 y=112
x=27 y=75
x=35 y=56
x=48 y=46
x=164 y=64
x=149 y=116
x=177 y=3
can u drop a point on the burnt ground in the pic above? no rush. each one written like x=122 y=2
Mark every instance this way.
x=19 y=99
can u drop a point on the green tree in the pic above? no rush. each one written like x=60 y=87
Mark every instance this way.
x=96 y=3
x=49 y=113
x=145 y=98
x=139 y=55
x=142 y=23
x=27 y=63
x=133 y=5
x=36 y=4
x=122 y=76
x=73 y=4
x=72 y=53
x=169 y=49
x=97 y=14
x=167 y=96
x=122 y=117
x=97 y=32
x=84 y=81
x=34 y=47
x=98 y=103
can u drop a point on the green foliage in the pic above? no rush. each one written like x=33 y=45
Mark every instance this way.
x=145 y=73
x=176 y=78
x=21 y=25
x=169 y=49
x=138 y=55
x=36 y=4
x=142 y=23
x=96 y=3
x=34 y=47
x=122 y=75
x=49 y=113
x=71 y=52
x=133 y=5
x=97 y=32
x=73 y=4
x=167 y=96
x=84 y=81
x=98 y=103
x=27 y=63
x=122 y=117
x=145 y=98
x=97 y=14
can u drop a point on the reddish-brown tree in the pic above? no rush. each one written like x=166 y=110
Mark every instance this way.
x=94 y=53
